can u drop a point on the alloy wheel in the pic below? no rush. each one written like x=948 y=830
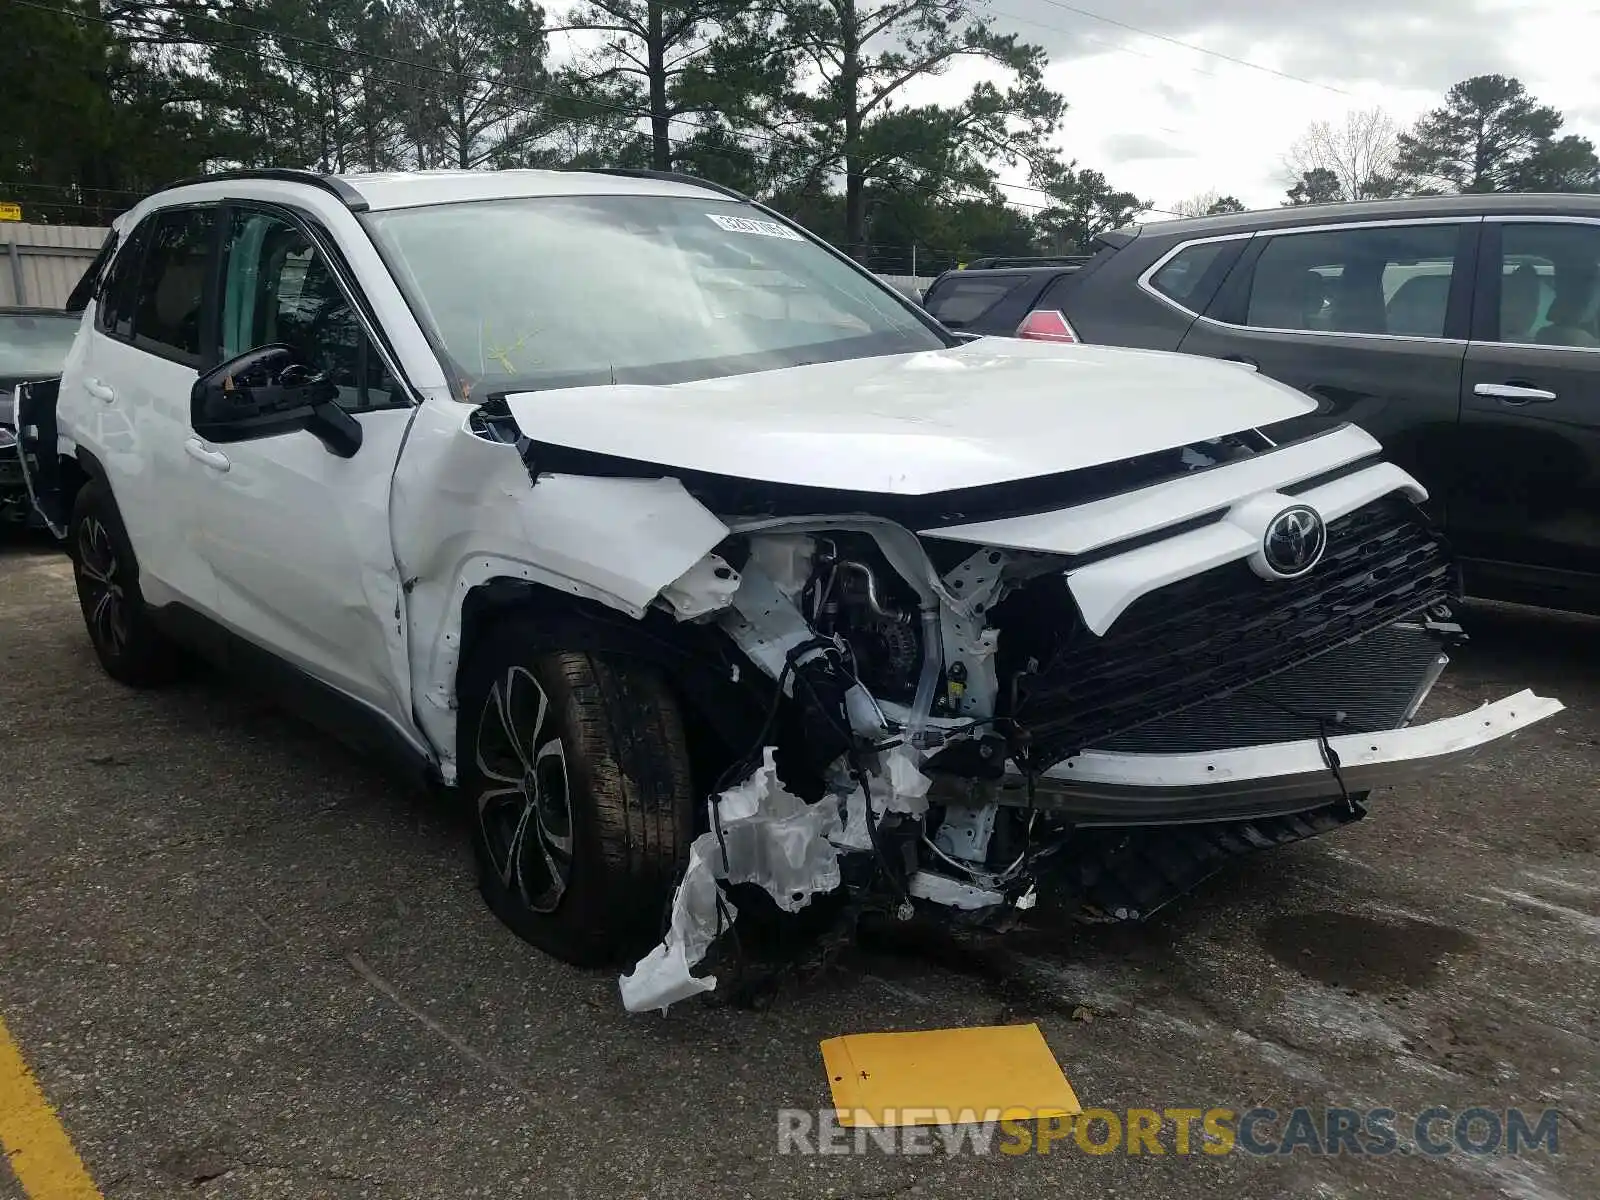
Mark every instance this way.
x=525 y=806
x=105 y=603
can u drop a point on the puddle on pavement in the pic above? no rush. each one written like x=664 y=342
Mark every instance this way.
x=1347 y=950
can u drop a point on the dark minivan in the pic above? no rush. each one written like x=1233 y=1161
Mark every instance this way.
x=1462 y=331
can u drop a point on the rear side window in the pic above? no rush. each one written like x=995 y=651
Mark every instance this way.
x=960 y=302
x=115 y=300
x=1184 y=273
x=1383 y=280
x=167 y=311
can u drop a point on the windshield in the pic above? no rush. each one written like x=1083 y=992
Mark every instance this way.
x=34 y=345
x=568 y=291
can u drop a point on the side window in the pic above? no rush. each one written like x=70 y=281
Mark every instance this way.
x=167 y=304
x=1386 y=279
x=1550 y=284
x=278 y=287
x=962 y=301
x=115 y=299
x=1180 y=278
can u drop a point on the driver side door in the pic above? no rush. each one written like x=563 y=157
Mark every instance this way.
x=296 y=536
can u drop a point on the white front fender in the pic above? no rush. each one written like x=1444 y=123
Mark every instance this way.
x=464 y=510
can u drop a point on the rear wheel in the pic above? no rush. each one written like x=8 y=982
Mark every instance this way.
x=577 y=771
x=129 y=647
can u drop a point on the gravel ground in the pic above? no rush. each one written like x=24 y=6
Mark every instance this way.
x=244 y=964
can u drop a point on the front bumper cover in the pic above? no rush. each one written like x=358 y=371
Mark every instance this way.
x=1102 y=788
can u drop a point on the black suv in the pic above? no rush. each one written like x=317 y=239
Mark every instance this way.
x=1462 y=331
x=995 y=295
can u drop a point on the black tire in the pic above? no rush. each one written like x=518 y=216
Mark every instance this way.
x=129 y=646
x=587 y=881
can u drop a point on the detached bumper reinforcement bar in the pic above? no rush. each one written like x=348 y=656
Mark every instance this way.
x=1103 y=788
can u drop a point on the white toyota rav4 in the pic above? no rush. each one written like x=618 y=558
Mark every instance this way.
x=706 y=567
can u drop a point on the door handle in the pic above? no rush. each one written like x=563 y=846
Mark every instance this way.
x=100 y=391
x=1514 y=393
x=200 y=452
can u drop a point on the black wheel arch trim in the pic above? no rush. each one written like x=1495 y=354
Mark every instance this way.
x=712 y=676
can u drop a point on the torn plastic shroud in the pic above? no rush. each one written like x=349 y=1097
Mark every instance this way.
x=762 y=834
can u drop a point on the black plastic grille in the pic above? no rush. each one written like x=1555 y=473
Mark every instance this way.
x=1370 y=682
x=1120 y=875
x=1206 y=637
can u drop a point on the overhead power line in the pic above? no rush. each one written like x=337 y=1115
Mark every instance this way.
x=1172 y=41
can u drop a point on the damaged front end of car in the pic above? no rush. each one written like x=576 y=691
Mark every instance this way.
x=1092 y=689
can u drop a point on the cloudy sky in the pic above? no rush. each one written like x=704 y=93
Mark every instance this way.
x=1168 y=122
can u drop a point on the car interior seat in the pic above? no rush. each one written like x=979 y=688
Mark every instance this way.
x=1418 y=306
x=1572 y=311
x=176 y=303
x=1520 y=293
x=1357 y=301
x=1288 y=298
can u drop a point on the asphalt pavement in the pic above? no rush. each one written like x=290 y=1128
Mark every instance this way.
x=242 y=963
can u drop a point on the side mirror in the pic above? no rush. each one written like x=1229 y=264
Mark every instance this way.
x=267 y=392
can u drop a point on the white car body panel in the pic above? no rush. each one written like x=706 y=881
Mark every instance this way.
x=982 y=413
x=1367 y=760
x=130 y=409
x=311 y=572
x=1104 y=590
x=1087 y=527
x=465 y=511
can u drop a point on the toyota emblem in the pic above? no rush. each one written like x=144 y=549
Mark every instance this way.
x=1294 y=541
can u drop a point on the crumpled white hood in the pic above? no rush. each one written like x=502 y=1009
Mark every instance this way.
x=986 y=412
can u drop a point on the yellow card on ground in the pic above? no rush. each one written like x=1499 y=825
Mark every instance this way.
x=946 y=1076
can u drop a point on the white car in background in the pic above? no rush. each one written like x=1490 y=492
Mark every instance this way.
x=694 y=557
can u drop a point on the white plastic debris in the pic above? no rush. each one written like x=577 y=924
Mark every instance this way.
x=941 y=889
x=662 y=977
x=897 y=786
x=772 y=838
x=776 y=839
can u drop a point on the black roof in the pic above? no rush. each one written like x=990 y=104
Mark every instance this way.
x=1576 y=204
x=355 y=202
x=351 y=198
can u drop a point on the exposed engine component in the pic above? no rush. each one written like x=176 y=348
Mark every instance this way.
x=852 y=598
x=930 y=695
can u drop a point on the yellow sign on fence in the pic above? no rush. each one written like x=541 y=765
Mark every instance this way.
x=10 y=212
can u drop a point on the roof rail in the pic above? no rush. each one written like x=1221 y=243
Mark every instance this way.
x=669 y=176
x=1055 y=260
x=352 y=199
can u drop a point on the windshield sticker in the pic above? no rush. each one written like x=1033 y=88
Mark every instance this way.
x=760 y=228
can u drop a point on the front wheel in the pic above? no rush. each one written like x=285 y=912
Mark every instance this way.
x=577 y=771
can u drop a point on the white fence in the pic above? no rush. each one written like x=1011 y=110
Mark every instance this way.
x=41 y=264
x=911 y=285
